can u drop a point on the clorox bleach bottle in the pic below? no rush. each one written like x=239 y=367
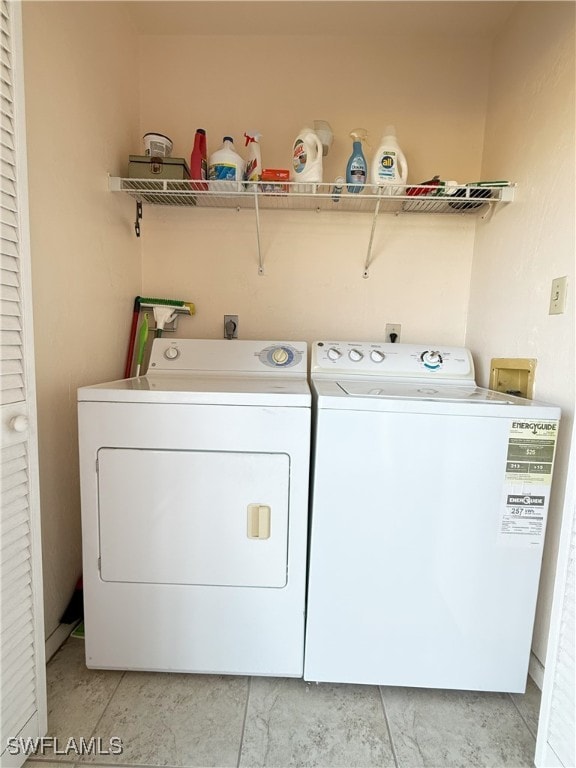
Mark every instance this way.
x=226 y=166
x=389 y=165
x=306 y=160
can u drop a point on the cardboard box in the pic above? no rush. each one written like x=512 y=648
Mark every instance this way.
x=270 y=177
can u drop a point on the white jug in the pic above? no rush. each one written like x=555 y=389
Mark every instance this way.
x=306 y=160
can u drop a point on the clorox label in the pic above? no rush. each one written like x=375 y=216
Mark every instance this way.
x=223 y=172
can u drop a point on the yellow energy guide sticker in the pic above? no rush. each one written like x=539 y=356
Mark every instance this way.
x=529 y=462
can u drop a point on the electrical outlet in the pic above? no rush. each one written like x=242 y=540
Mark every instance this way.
x=230 y=326
x=558 y=296
x=393 y=328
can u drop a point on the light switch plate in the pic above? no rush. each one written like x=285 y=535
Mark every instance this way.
x=558 y=296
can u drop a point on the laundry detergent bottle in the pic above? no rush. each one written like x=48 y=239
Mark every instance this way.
x=357 y=168
x=307 y=159
x=253 y=170
x=226 y=166
x=389 y=166
x=199 y=160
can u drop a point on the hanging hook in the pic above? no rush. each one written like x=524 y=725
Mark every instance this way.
x=138 y=217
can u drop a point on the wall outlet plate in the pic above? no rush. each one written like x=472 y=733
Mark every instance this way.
x=393 y=328
x=230 y=326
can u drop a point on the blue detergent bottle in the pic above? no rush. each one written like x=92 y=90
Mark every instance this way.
x=357 y=169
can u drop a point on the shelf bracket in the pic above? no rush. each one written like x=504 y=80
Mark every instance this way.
x=257 y=213
x=138 y=217
x=368 y=261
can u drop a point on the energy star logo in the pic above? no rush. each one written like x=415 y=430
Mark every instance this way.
x=52 y=745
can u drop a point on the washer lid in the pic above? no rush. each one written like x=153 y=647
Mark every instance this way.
x=424 y=390
x=401 y=396
x=202 y=389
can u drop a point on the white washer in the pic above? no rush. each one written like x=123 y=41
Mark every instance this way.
x=429 y=505
x=194 y=483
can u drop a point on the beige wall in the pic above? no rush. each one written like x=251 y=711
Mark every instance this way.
x=530 y=137
x=313 y=285
x=81 y=104
x=93 y=88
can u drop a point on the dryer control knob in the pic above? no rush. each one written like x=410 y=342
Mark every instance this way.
x=280 y=355
x=355 y=355
x=376 y=356
x=334 y=354
x=171 y=353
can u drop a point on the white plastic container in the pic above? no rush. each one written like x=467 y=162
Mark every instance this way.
x=306 y=160
x=253 y=170
x=226 y=168
x=157 y=145
x=389 y=165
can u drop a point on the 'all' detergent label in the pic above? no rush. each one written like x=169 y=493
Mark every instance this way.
x=300 y=156
x=387 y=167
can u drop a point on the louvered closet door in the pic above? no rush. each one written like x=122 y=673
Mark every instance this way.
x=22 y=667
x=555 y=746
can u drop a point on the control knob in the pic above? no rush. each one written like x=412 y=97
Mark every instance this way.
x=171 y=353
x=280 y=356
x=355 y=355
x=431 y=358
x=334 y=354
x=377 y=356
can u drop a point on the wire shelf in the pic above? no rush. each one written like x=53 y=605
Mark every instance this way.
x=298 y=196
x=478 y=199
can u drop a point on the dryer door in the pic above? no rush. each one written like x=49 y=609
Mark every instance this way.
x=193 y=517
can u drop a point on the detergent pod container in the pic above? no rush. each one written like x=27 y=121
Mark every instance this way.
x=389 y=166
x=253 y=170
x=357 y=168
x=226 y=168
x=306 y=160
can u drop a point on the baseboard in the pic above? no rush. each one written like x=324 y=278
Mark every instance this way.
x=536 y=670
x=55 y=640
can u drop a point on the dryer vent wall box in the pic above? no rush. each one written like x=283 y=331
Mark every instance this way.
x=194 y=482
x=427 y=522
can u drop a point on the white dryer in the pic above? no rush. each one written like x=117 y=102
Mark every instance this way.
x=194 y=485
x=429 y=505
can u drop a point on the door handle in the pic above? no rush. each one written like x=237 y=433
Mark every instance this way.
x=258 y=521
x=19 y=423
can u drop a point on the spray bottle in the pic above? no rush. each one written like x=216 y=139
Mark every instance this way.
x=253 y=170
x=356 y=170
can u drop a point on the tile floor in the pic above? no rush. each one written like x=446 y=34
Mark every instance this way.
x=206 y=720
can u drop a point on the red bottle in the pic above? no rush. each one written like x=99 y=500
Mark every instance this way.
x=198 y=160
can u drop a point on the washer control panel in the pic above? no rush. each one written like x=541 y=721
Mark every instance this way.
x=366 y=358
x=223 y=355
